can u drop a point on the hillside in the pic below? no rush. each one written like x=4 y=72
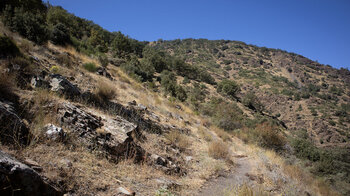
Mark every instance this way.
x=84 y=111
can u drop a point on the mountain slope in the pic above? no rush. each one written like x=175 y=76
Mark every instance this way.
x=166 y=117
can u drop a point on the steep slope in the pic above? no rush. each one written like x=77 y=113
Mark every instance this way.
x=98 y=111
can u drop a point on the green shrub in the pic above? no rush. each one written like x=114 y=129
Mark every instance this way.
x=91 y=67
x=252 y=102
x=270 y=136
x=8 y=47
x=102 y=58
x=228 y=87
x=60 y=34
x=29 y=23
x=305 y=149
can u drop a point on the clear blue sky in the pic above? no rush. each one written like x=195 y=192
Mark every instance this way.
x=317 y=29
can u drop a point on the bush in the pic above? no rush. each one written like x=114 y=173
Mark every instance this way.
x=218 y=150
x=269 y=136
x=91 y=67
x=8 y=47
x=228 y=87
x=60 y=34
x=102 y=58
x=30 y=24
x=252 y=102
x=104 y=92
x=180 y=93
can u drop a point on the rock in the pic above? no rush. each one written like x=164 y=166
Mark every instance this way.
x=119 y=138
x=142 y=107
x=78 y=120
x=132 y=103
x=103 y=72
x=18 y=178
x=38 y=82
x=118 y=134
x=33 y=164
x=61 y=85
x=53 y=132
x=167 y=184
x=122 y=191
x=188 y=159
x=154 y=116
x=164 y=164
x=13 y=128
x=158 y=160
x=67 y=163
x=178 y=107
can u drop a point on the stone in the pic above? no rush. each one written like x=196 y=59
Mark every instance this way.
x=122 y=191
x=33 y=164
x=188 y=159
x=103 y=72
x=18 y=178
x=154 y=116
x=61 y=85
x=158 y=160
x=167 y=183
x=132 y=103
x=118 y=134
x=53 y=132
x=141 y=107
x=38 y=82
x=13 y=128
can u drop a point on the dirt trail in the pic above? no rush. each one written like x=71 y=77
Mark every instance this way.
x=236 y=178
x=247 y=171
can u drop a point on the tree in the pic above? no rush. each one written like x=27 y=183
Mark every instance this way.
x=60 y=34
x=121 y=45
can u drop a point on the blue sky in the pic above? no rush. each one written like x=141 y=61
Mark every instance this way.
x=317 y=29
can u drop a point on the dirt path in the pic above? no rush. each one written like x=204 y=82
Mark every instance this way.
x=236 y=178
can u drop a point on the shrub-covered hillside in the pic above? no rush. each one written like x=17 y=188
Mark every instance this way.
x=98 y=110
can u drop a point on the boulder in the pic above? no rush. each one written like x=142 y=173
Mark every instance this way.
x=114 y=134
x=61 y=85
x=39 y=82
x=13 y=129
x=17 y=178
x=53 y=132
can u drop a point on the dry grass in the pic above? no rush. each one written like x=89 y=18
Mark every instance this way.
x=104 y=91
x=177 y=139
x=219 y=150
x=204 y=134
x=81 y=171
x=244 y=190
x=222 y=134
x=43 y=114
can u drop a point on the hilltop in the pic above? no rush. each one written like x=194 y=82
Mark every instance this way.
x=85 y=111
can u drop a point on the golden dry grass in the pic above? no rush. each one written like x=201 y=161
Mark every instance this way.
x=104 y=91
x=177 y=139
x=218 y=150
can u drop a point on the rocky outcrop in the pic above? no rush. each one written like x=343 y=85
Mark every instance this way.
x=114 y=134
x=61 y=85
x=17 y=178
x=12 y=128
